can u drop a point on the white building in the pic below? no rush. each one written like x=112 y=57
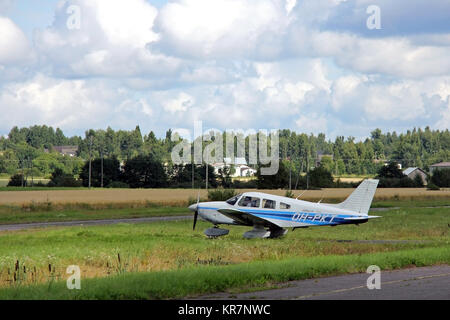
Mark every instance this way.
x=241 y=169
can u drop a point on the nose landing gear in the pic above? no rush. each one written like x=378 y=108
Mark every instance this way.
x=216 y=232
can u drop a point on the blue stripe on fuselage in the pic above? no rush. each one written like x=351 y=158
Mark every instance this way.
x=288 y=216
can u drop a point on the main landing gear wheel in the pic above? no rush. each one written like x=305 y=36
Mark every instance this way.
x=277 y=233
x=257 y=232
x=260 y=232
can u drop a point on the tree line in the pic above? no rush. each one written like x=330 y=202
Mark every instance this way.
x=30 y=152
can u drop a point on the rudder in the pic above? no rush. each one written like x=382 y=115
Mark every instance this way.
x=361 y=199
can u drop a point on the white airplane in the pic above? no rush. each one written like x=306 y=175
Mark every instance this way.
x=270 y=215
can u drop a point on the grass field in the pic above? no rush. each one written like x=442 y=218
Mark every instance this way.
x=168 y=260
x=81 y=212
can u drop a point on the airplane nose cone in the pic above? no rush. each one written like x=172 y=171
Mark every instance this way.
x=193 y=207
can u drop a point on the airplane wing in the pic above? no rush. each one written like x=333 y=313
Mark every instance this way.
x=247 y=219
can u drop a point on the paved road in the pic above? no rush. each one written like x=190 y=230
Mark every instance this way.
x=12 y=227
x=408 y=284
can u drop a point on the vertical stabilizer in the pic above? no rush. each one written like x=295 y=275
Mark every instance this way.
x=361 y=199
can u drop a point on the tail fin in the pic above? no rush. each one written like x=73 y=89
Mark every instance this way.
x=361 y=199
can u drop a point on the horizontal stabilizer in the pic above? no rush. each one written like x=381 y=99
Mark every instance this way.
x=361 y=218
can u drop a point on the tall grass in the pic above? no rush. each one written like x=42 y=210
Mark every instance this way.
x=210 y=279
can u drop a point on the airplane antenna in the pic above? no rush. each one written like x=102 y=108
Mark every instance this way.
x=323 y=194
x=300 y=194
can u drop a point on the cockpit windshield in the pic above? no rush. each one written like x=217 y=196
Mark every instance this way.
x=233 y=200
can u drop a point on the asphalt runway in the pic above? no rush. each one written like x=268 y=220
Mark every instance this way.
x=13 y=227
x=424 y=283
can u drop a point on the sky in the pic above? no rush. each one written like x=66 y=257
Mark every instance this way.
x=331 y=66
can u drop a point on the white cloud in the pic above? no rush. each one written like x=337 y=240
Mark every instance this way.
x=221 y=28
x=290 y=4
x=179 y=104
x=14 y=46
x=127 y=23
x=74 y=105
x=312 y=123
x=444 y=121
x=112 y=41
x=59 y=103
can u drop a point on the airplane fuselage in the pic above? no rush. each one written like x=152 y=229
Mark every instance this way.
x=300 y=214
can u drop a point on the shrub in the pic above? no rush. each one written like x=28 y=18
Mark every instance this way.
x=321 y=178
x=433 y=187
x=61 y=179
x=390 y=171
x=289 y=194
x=404 y=182
x=441 y=178
x=221 y=194
x=111 y=172
x=275 y=181
x=118 y=185
x=16 y=181
x=249 y=184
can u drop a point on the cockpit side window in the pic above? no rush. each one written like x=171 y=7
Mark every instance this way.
x=233 y=200
x=250 y=202
x=284 y=205
x=268 y=204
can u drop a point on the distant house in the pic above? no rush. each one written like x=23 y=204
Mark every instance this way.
x=439 y=166
x=413 y=172
x=240 y=166
x=70 y=151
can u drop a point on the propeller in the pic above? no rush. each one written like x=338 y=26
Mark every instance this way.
x=196 y=211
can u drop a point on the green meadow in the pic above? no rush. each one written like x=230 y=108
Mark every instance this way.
x=169 y=260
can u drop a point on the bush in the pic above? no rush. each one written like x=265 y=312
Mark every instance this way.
x=280 y=180
x=16 y=181
x=249 y=184
x=289 y=194
x=111 y=172
x=61 y=179
x=390 y=171
x=144 y=171
x=118 y=185
x=433 y=187
x=441 y=178
x=404 y=182
x=221 y=194
x=321 y=178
